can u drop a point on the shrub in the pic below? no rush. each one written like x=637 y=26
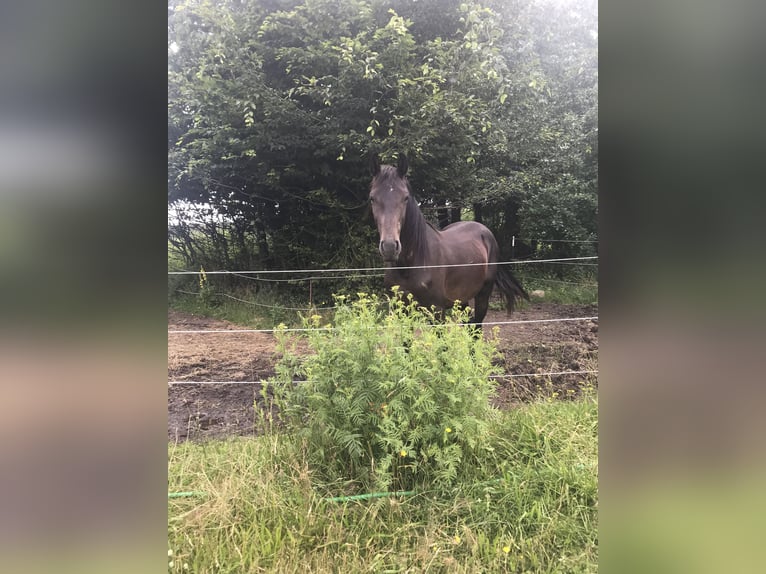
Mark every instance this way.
x=207 y=294
x=392 y=399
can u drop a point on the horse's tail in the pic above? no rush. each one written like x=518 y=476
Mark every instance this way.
x=510 y=288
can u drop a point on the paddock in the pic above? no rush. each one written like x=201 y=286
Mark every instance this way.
x=548 y=350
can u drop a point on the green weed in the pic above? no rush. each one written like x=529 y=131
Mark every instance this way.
x=391 y=399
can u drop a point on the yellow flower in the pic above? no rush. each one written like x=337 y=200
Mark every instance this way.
x=456 y=539
x=402 y=452
x=448 y=429
x=506 y=549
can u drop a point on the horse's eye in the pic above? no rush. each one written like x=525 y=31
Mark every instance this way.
x=406 y=197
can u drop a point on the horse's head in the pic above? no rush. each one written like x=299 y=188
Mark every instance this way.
x=389 y=194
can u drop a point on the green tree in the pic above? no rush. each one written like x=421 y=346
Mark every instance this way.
x=274 y=107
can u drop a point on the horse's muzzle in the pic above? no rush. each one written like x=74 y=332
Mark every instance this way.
x=390 y=249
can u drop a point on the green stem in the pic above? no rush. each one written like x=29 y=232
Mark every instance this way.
x=366 y=496
x=185 y=494
x=369 y=495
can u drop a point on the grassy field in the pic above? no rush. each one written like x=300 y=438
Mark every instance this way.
x=581 y=289
x=259 y=312
x=531 y=507
x=264 y=309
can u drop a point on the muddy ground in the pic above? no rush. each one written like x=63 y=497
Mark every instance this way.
x=198 y=411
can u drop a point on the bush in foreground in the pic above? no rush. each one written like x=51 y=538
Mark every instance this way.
x=392 y=398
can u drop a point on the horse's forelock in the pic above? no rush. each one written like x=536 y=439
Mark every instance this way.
x=389 y=177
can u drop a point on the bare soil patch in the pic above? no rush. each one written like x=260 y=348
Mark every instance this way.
x=198 y=411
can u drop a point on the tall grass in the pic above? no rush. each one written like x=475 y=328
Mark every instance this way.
x=574 y=288
x=265 y=308
x=531 y=506
x=254 y=310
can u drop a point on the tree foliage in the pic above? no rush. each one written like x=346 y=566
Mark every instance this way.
x=275 y=105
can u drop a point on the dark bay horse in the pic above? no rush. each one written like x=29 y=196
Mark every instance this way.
x=408 y=240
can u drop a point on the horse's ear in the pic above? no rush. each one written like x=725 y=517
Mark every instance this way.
x=402 y=166
x=374 y=164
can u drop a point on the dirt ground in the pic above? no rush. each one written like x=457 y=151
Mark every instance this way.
x=199 y=411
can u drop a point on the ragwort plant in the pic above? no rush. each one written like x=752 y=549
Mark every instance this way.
x=393 y=398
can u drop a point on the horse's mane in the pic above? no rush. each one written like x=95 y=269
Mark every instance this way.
x=414 y=230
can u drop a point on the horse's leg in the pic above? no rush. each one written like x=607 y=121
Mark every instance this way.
x=481 y=304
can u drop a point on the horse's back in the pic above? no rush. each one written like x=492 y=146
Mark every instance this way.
x=467 y=228
x=462 y=231
x=464 y=226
